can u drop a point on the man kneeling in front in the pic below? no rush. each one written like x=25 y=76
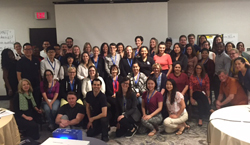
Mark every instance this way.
x=70 y=115
x=96 y=109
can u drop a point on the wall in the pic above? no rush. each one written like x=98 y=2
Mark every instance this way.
x=209 y=17
x=19 y=15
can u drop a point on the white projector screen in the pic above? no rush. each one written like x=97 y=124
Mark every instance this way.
x=98 y=23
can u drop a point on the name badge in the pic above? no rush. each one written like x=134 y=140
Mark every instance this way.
x=137 y=90
x=148 y=63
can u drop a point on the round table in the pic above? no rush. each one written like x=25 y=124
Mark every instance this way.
x=9 y=133
x=230 y=126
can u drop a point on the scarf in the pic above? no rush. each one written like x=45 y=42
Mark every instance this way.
x=23 y=102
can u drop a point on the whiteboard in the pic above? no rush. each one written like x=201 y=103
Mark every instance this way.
x=7 y=39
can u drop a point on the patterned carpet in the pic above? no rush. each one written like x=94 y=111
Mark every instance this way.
x=195 y=136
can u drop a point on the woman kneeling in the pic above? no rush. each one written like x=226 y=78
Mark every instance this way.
x=176 y=109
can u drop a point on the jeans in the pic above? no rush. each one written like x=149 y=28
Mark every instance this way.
x=51 y=113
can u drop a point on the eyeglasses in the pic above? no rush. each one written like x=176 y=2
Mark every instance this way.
x=232 y=53
x=72 y=72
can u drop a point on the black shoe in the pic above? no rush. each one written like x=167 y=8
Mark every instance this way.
x=131 y=134
x=105 y=139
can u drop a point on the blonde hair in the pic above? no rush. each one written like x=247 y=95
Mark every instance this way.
x=20 y=84
x=71 y=68
x=155 y=65
x=235 y=50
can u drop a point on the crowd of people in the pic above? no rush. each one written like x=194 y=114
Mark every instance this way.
x=134 y=89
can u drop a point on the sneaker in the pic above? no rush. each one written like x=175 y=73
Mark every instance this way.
x=105 y=139
x=131 y=134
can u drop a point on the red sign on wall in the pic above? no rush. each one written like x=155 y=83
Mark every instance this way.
x=41 y=15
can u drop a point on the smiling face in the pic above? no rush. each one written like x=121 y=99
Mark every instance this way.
x=239 y=65
x=138 y=42
x=92 y=72
x=96 y=51
x=206 y=45
x=76 y=51
x=18 y=48
x=191 y=40
x=189 y=50
x=144 y=52
x=169 y=86
x=120 y=48
x=151 y=85
x=72 y=73
x=49 y=76
x=69 y=43
x=96 y=86
x=157 y=69
x=223 y=77
x=51 y=53
x=136 y=68
x=114 y=71
x=218 y=40
x=183 y=41
x=177 y=49
x=233 y=54
x=105 y=48
x=202 y=39
x=198 y=69
x=129 y=51
x=162 y=49
x=177 y=68
x=204 y=54
x=25 y=86
x=46 y=44
x=11 y=55
x=71 y=100
x=85 y=57
x=240 y=47
x=152 y=43
x=70 y=60
x=113 y=49
x=125 y=86
x=28 y=51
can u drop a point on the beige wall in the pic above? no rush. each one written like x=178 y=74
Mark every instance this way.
x=209 y=17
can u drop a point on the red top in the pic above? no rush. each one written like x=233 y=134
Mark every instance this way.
x=195 y=85
x=181 y=81
x=153 y=102
x=164 y=61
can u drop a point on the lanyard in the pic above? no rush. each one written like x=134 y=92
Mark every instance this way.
x=200 y=82
x=96 y=63
x=148 y=99
x=50 y=90
x=137 y=79
x=113 y=60
x=136 y=52
x=130 y=63
x=72 y=85
x=115 y=83
x=205 y=61
x=159 y=82
x=124 y=103
x=51 y=64
x=71 y=66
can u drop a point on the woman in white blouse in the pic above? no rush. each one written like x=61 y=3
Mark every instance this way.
x=87 y=82
x=82 y=69
x=51 y=63
x=176 y=109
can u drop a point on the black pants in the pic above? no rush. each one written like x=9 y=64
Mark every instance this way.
x=31 y=127
x=203 y=104
x=125 y=125
x=112 y=110
x=99 y=126
x=216 y=86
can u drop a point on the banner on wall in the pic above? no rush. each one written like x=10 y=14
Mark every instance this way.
x=7 y=39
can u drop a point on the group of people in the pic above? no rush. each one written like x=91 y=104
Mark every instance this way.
x=134 y=89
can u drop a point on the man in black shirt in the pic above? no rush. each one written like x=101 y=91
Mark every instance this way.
x=96 y=108
x=70 y=115
x=29 y=67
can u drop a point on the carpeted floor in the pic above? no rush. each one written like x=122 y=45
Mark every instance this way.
x=195 y=136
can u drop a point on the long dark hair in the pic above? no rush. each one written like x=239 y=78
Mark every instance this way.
x=193 y=54
x=153 y=78
x=242 y=60
x=173 y=92
x=102 y=52
x=7 y=62
x=203 y=72
x=96 y=73
x=45 y=81
x=128 y=93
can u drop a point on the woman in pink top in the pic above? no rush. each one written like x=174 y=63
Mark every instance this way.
x=163 y=59
x=192 y=59
x=176 y=109
x=50 y=89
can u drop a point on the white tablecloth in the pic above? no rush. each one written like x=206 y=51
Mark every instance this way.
x=230 y=126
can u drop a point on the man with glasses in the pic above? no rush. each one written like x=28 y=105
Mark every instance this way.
x=96 y=109
x=29 y=67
